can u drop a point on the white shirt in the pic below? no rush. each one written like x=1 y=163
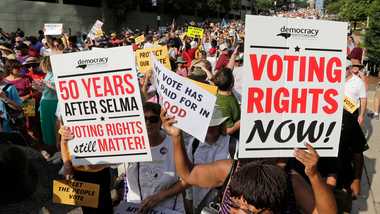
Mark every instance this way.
x=355 y=89
x=238 y=76
x=155 y=176
x=212 y=60
x=206 y=153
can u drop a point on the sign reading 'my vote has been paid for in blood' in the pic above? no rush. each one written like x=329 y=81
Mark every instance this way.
x=293 y=87
x=191 y=104
x=100 y=102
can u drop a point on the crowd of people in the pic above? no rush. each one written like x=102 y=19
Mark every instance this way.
x=186 y=176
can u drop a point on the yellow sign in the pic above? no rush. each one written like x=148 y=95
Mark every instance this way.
x=194 y=32
x=210 y=88
x=29 y=107
x=143 y=58
x=140 y=39
x=350 y=105
x=76 y=193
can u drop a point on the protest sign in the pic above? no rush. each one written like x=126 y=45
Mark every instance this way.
x=53 y=29
x=130 y=208
x=210 y=88
x=350 y=104
x=100 y=102
x=185 y=100
x=76 y=193
x=143 y=58
x=194 y=32
x=293 y=87
x=140 y=39
x=96 y=30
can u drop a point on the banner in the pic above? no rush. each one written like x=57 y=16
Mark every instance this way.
x=96 y=30
x=143 y=58
x=191 y=105
x=131 y=208
x=140 y=39
x=194 y=32
x=53 y=29
x=100 y=102
x=76 y=193
x=294 y=86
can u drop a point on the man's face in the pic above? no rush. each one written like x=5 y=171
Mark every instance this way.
x=355 y=69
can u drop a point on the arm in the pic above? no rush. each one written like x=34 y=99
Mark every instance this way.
x=363 y=107
x=152 y=201
x=9 y=101
x=324 y=201
x=234 y=128
x=202 y=175
x=67 y=165
x=231 y=63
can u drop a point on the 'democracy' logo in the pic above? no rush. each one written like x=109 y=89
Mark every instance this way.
x=83 y=63
x=287 y=32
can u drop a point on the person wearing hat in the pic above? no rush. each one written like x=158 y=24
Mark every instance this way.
x=214 y=148
x=182 y=70
x=223 y=58
x=25 y=182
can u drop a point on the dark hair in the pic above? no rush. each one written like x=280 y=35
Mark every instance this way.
x=261 y=185
x=153 y=107
x=214 y=43
x=224 y=79
x=10 y=65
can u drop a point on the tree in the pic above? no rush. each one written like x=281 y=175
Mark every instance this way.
x=372 y=36
x=263 y=5
x=333 y=6
x=119 y=9
x=354 y=10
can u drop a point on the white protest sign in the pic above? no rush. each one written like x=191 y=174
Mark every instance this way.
x=131 y=208
x=96 y=30
x=293 y=86
x=100 y=102
x=53 y=29
x=191 y=105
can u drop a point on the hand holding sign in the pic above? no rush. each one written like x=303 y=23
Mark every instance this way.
x=308 y=158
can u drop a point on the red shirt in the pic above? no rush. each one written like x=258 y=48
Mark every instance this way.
x=222 y=62
x=188 y=56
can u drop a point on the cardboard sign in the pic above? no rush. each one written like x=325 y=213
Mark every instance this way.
x=194 y=32
x=210 y=88
x=140 y=39
x=143 y=58
x=131 y=208
x=53 y=29
x=294 y=86
x=99 y=99
x=76 y=193
x=350 y=105
x=185 y=100
x=96 y=30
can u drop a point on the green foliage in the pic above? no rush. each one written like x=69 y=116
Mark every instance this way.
x=372 y=36
x=264 y=5
x=333 y=6
x=354 y=10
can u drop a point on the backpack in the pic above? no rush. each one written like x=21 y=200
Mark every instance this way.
x=15 y=117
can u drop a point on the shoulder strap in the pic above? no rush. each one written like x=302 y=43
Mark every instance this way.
x=138 y=180
x=194 y=147
x=5 y=88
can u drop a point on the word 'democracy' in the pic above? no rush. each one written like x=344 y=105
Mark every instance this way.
x=185 y=100
x=293 y=88
x=101 y=105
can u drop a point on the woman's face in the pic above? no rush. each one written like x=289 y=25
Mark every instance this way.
x=15 y=71
x=153 y=123
x=240 y=206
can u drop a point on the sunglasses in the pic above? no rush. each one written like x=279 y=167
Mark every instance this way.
x=152 y=119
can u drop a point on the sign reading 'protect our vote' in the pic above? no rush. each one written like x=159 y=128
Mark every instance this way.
x=100 y=101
